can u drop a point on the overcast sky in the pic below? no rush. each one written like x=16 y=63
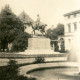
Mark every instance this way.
x=50 y=11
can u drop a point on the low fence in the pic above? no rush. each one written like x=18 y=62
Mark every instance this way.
x=14 y=55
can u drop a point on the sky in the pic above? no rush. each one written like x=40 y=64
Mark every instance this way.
x=51 y=11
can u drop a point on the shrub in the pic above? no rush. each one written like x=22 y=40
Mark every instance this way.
x=11 y=72
x=39 y=59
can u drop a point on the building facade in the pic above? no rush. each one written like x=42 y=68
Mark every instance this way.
x=71 y=24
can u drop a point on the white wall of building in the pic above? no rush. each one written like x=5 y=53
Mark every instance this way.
x=69 y=35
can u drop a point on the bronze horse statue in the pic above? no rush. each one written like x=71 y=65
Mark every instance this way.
x=39 y=27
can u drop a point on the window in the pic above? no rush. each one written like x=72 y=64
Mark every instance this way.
x=75 y=26
x=69 y=27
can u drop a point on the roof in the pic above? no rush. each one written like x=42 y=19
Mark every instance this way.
x=71 y=13
x=25 y=18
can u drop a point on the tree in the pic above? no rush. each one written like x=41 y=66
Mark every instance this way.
x=51 y=34
x=10 y=26
x=54 y=33
x=60 y=29
x=21 y=42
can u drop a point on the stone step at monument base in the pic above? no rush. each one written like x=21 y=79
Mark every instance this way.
x=38 y=52
x=55 y=56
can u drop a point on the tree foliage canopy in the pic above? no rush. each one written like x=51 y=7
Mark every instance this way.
x=60 y=29
x=10 y=27
x=54 y=33
x=8 y=22
x=21 y=42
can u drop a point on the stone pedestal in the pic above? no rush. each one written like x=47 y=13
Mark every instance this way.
x=39 y=44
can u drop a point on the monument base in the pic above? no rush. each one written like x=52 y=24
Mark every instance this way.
x=39 y=43
x=39 y=52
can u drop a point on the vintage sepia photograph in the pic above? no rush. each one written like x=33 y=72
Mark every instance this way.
x=39 y=39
